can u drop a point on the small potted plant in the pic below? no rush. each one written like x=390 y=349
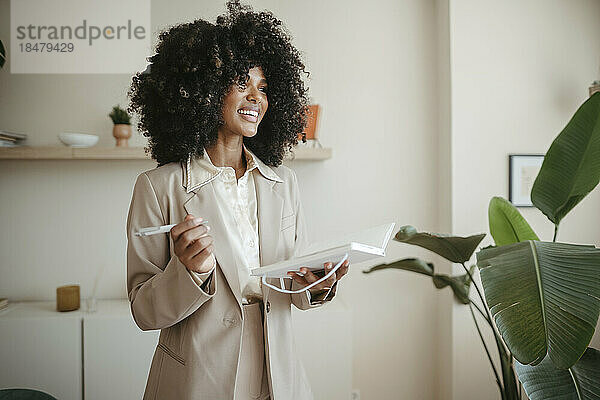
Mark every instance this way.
x=122 y=128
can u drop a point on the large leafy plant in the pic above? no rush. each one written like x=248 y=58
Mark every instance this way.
x=543 y=297
x=459 y=250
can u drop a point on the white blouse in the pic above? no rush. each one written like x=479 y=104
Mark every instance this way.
x=238 y=207
x=239 y=210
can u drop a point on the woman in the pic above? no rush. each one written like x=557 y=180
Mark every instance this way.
x=220 y=105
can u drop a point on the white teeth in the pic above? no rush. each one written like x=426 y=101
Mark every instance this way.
x=249 y=112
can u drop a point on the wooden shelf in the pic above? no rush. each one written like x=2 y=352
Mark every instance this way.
x=72 y=153
x=310 y=153
x=120 y=153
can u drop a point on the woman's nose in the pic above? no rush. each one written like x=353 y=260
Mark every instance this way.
x=253 y=95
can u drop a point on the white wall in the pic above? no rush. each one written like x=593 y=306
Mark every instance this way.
x=445 y=348
x=373 y=70
x=520 y=69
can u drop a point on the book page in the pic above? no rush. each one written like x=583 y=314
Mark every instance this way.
x=377 y=236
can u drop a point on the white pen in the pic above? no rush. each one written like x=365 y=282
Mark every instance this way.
x=154 y=230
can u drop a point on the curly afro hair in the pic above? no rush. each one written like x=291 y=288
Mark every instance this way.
x=179 y=97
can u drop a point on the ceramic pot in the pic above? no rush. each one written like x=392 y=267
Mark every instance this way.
x=311 y=123
x=122 y=132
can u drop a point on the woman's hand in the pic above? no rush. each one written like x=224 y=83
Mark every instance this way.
x=310 y=277
x=193 y=245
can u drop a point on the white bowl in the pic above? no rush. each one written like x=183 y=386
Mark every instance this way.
x=78 y=139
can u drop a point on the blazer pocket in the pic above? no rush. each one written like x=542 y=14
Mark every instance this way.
x=173 y=341
x=170 y=353
x=288 y=221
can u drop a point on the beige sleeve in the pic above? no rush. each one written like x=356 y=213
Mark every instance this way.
x=204 y=278
x=160 y=288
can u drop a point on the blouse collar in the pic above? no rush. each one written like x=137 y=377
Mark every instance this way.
x=198 y=171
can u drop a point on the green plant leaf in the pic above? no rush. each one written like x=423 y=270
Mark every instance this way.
x=408 y=264
x=507 y=225
x=571 y=167
x=460 y=284
x=453 y=248
x=545 y=381
x=544 y=298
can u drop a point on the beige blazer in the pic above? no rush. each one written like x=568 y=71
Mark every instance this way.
x=199 y=344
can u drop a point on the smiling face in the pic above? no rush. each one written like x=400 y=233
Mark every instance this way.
x=245 y=106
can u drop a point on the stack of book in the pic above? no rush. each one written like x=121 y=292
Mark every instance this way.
x=11 y=139
x=3 y=303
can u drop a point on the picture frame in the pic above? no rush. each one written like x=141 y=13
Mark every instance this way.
x=522 y=171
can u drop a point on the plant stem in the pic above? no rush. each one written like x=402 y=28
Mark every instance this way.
x=489 y=316
x=480 y=311
x=512 y=367
x=487 y=352
x=486 y=319
x=555 y=232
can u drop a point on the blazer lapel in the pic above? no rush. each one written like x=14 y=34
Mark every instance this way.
x=270 y=209
x=270 y=205
x=269 y=213
x=203 y=204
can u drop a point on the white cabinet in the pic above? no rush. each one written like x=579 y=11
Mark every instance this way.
x=77 y=355
x=41 y=349
x=116 y=353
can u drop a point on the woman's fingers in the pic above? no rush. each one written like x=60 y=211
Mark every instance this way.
x=326 y=284
x=191 y=235
x=309 y=277
x=201 y=245
x=343 y=270
x=188 y=223
x=198 y=246
x=182 y=229
x=298 y=278
x=193 y=245
x=331 y=280
x=186 y=233
x=204 y=255
x=340 y=273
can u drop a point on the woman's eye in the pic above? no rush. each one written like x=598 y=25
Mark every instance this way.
x=264 y=89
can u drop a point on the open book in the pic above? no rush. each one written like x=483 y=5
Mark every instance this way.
x=360 y=246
